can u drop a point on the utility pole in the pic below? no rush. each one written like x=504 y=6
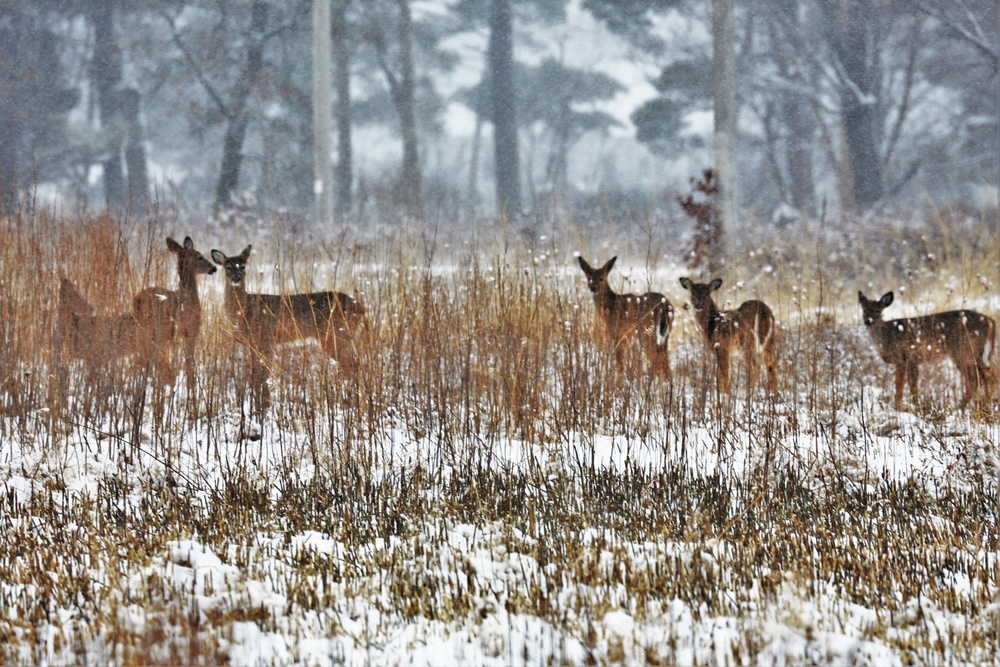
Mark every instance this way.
x=322 y=110
x=724 y=93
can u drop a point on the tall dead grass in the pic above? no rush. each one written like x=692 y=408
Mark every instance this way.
x=486 y=348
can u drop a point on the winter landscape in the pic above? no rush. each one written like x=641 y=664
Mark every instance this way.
x=473 y=452
x=491 y=487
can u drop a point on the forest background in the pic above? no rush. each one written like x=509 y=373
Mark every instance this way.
x=852 y=108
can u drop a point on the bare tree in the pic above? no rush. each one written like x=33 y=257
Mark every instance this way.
x=503 y=93
x=402 y=88
x=343 y=172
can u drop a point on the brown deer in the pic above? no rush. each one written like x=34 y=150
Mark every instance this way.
x=267 y=320
x=749 y=328
x=647 y=317
x=98 y=339
x=165 y=315
x=967 y=337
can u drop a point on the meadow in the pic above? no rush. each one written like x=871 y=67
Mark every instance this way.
x=490 y=487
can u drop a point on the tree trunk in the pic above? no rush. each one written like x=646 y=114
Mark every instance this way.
x=236 y=130
x=473 y=188
x=725 y=111
x=343 y=175
x=322 y=27
x=501 y=64
x=410 y=185
x=13 y=130
x=853 y=27
x=106 y=72
x=135 y=153
x=793 y=114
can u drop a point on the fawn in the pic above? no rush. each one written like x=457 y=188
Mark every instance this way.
x=164 y=315
x=266 y=320
x=967 y=337
x=750 y=328
x=646 y=317
x=97 y=339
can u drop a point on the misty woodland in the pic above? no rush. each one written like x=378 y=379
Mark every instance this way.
x=496 y=332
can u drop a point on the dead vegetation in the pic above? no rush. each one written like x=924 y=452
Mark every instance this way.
x=461 y=473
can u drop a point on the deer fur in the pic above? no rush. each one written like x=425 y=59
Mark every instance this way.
x=966 y=337
x=98 y=339
x=749 y=329
x=265 y=321
x=646 y=318
x=165 y=315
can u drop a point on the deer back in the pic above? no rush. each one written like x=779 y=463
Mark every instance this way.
x=286 y=318
x=92 y=337
x=959 y=334
x=624 y=314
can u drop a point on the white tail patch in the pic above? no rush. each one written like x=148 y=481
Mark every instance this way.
x=662 y=331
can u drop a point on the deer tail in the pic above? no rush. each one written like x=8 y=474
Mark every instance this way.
x=762 y=345
x=662 y=326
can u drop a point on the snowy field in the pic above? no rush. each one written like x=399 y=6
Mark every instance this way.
x=492 y=490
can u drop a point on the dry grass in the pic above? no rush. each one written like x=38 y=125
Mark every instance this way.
x=481 y=351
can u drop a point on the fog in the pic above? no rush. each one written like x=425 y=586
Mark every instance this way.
x=843 y=110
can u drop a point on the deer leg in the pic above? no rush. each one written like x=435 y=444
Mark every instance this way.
x=912 y=374
x=988 y=377
x=341 y=349
x=658 y=355
x=770 y=364
x=189 y=367
x=970 y=382
x=753 y=360
x=900 y=373
x=258 y=376
x=722 y=364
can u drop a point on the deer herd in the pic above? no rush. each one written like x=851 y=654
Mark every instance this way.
x=339 y=324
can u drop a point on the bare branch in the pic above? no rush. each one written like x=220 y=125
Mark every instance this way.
x=971 y=33
x=193 y=63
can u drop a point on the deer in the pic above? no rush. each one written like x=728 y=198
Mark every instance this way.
x=164 y=315
x=97 y=339
x=966 y=337
x=749 y=328
x=646 y=318
x=264 y=321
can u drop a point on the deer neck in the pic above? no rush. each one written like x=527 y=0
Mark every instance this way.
x=881 y=333
x=709 y=317
x=188 y=289
x=605 y=299
x=236 y=298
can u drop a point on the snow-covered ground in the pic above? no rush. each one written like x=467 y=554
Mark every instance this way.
x=449 y=591
x=493 y=491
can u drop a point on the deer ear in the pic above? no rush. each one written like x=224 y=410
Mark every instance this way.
x=172 y=245
x=609 y=264
x=583 y=264
x=886 y=299
x=686 y=283
x=218 y=257
x=188 y=243
x=715 y=284
x=861 y=298
x=246 y=251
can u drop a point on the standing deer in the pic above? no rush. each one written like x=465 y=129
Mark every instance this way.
x=267 y=320
x=165 y=315
x=645 y=317
x=749 y=328
x=98 y=339
x=967 y=337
